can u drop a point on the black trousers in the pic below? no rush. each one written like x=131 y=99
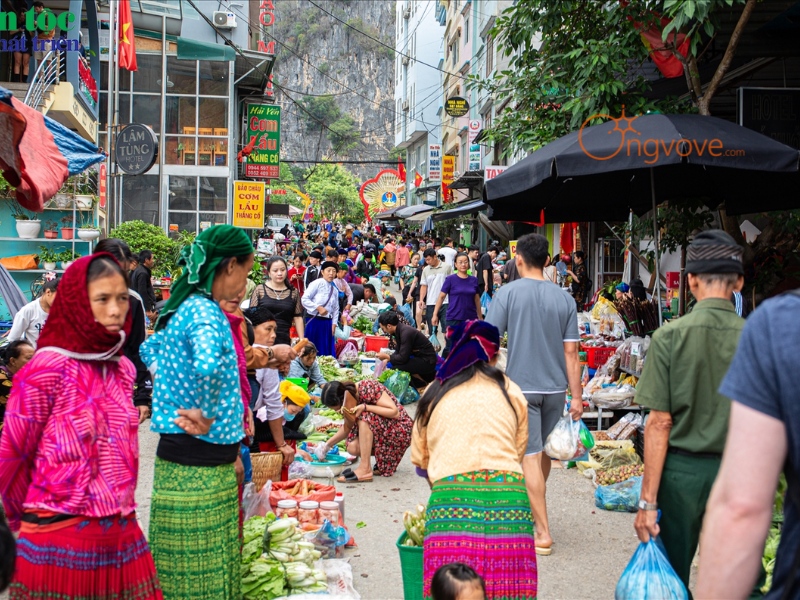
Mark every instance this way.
x=423 y=370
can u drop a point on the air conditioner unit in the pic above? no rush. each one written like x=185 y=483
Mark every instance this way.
x=405 y=105
x=224 y=20
x=405 y=60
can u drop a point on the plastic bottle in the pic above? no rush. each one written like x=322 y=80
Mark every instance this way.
x=585 y=376
x=340 y=501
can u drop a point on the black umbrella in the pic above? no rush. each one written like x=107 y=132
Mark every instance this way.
x=634 y=163
x=601 y=172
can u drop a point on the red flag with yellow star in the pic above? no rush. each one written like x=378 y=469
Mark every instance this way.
x=127 y=46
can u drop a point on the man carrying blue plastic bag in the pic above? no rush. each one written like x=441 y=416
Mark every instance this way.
x=686 y=429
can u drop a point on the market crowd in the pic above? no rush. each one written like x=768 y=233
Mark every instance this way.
x=98 y=353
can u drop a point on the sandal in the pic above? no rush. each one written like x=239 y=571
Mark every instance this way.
x=347 y=471
x=351 y=477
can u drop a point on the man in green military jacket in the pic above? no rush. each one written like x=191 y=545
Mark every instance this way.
x=688 y=421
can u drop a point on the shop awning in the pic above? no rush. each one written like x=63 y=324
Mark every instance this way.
x=410 y=211
x=252 y=69
x=469 y=180
x=388 y=215
x=459 y=211
x=194 y=50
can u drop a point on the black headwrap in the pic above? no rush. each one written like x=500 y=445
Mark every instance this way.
x=714 y=251
x=258 y=314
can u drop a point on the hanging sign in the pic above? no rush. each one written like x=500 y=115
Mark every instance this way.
x=101 y=184
x=136 y=149
x=248 y=204
x=434 y=163
x=512 y=249
x=492 y=171
x=456 y=106
x=474 y=129
x=448 y=169
x=264 y=136
x=474 y=157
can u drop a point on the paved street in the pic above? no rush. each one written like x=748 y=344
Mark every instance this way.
x=591 y=549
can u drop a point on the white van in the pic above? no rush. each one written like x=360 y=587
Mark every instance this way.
x=275 y=224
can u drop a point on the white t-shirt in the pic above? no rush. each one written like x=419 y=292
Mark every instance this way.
x=449 y=255
x=434 y=278
x=28 y=323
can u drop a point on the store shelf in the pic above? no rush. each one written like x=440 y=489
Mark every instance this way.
x=48 y=240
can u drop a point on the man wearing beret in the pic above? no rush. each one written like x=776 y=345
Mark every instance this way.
x=688 y=421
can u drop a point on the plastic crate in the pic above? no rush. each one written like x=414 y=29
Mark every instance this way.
x=411 y=566
x=596 y=356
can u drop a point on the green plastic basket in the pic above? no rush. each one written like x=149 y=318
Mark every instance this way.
x=411 y=568
x=301 y=381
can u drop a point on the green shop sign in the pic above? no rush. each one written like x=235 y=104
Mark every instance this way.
x=264 y=140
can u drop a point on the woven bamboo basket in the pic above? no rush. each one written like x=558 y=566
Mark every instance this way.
x=266 y=466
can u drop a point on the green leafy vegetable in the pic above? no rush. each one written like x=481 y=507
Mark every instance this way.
x=360 y=525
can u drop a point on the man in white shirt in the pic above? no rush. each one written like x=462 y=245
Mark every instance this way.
x=448 y=252
x=29 y=321
x=431 y=283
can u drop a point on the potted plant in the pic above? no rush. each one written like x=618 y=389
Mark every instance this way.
x=67 y=257
x=50 y=230
x=88 y=230
x=67 y=227
x=84 y=192
x=28 y=226
x=49 y=258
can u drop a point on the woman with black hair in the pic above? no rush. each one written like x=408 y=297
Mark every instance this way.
x=469 y=438
x=413 y=352
x=281 y=299
x=15 y=356
x=374 y=423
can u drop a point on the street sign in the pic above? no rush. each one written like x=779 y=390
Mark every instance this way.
x=434 y=163
x=456 y=106
x=136 y=149
x=248 y=204
x=264 y=139
x=101 y=184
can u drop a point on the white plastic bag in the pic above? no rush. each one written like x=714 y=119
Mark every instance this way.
x=562 y=443
x=299 y=469
x=340 y=578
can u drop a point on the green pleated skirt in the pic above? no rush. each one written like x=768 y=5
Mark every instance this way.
x=194 y=531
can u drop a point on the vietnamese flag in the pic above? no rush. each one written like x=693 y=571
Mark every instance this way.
x=417 y=179
x=401 y=169
x=127 y=46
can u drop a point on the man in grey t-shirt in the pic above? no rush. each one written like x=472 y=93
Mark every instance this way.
x=543 y=338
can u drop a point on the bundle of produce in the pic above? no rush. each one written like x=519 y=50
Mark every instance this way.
x=276 y=561
x=621 y=497
x=641 y=316
x=619 y=396
x=626 y=427
x=300 y=490
x=363 y=324
x=618 y=474
x=414 y=522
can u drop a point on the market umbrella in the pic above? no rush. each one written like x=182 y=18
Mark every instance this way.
x=634 y=163
x=294 y=211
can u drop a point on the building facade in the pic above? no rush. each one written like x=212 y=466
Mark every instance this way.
x=417 y=96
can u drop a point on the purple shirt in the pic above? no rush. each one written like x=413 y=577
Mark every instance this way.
x=462 y=297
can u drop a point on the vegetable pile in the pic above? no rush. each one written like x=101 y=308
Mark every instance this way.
x=363 y=324
x=619 y=474
x=276 y=561
x=414 y=522
x=774 y=537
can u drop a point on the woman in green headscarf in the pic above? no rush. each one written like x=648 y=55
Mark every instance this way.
x=198 y=411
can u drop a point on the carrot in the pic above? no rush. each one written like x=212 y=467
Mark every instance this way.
x=295 y=489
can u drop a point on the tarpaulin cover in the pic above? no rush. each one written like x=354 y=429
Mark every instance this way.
x=79 y=152
x=9 y=290
x=29 y=158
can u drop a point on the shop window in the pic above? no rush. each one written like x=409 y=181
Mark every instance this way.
x=185 y=193
x=213 y=78
x=183 y=75
x=147 y=77
x=213 y=113
x=171 y=8
x=181 y=114
x=140 y=198
x=147 y=110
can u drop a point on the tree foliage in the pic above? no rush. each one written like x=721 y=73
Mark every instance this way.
x=335 y=191
x=143 y=236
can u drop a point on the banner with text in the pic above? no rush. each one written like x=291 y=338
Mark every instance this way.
x=434 y=163
x=264 y=137
x=248 y=204
x=448 y=169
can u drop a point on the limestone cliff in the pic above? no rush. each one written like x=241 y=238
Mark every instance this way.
x=343 y=79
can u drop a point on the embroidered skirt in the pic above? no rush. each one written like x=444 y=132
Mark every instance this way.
x=483 y=519
x=85 y=559
x=194 y=531
x=320 y=332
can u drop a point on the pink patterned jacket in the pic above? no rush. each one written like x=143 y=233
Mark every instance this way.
x=70 y=442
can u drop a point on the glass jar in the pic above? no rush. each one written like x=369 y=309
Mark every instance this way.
x=308 y=512
x=329 y=511
x=286 y=508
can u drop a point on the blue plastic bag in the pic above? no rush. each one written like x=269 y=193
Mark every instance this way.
x=485 y=301
x=621 y=497
x=398 y=383
x=411 y=395
x=649 y=575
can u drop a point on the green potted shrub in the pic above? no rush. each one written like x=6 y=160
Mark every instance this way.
x=51 y=230
x=28 y=226
x=67 y=257
x=49 y=258
x=67 y=227
x=84 y=192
